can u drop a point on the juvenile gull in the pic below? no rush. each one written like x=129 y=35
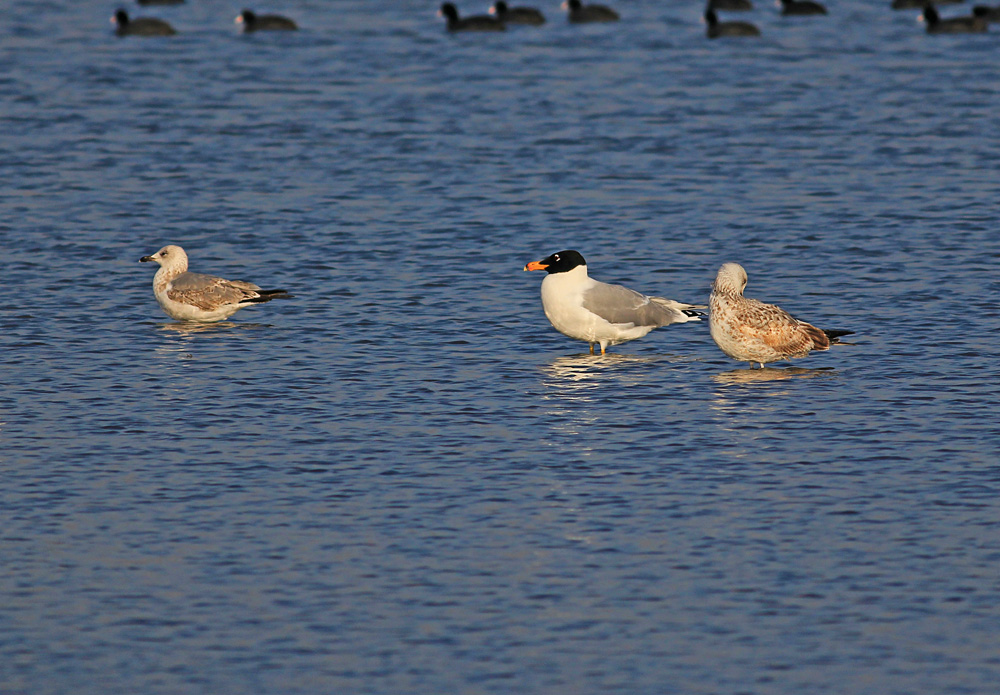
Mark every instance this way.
x=195 y=297
x=754 y=332
x=583 y=308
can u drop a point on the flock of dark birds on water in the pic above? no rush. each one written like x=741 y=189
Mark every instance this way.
x=576 y=305
x=150 y=26
x=500 y=16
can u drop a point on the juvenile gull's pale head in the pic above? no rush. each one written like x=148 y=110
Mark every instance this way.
x=169 y=257
x=732 y=278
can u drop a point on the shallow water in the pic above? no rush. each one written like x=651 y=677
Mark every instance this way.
x=403 y=480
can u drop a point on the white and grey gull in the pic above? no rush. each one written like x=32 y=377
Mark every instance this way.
x=755 y=332
x=187 y=296
x=581 y=307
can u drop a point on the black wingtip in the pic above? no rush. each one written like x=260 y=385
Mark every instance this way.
x=268 y=295
x=692 y=313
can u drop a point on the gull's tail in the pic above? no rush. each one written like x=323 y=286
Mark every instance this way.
x=835 y=335
x=688 y=310
x=268 y=295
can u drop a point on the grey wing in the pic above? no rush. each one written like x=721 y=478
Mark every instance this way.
x=209 y=292
x=617 y=304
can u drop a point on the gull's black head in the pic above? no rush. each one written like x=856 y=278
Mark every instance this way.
x=120 y=18
x=561 y=262
x=500 y=7
x=449 y=11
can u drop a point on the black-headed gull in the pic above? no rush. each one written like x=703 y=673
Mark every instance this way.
x=583 y=308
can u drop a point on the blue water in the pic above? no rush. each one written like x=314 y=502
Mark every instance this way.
x=404 y=480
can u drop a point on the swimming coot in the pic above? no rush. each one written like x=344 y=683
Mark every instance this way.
x=479 y=22
x=143 y=26
x=800 y=7
x=578 y=13
x=717 y=28
x=954 y=25
x=264 y=22
x=990 y=14
x=516 y=15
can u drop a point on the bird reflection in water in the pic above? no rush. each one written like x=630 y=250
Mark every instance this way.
x=572 y=377
x=191 y=327
x=186 y=330
x=581 y=378
x=753 y=376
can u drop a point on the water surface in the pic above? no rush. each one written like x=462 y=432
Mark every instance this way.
x=404 y=480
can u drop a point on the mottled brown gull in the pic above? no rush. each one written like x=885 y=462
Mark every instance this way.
x=754 y=332
x=195 y=297
x=583 y=308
